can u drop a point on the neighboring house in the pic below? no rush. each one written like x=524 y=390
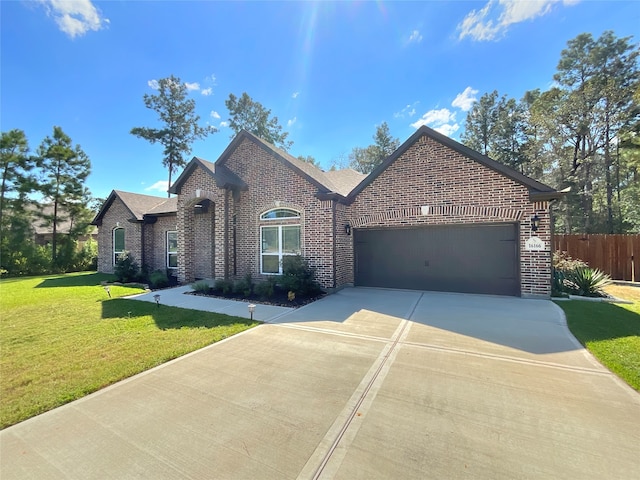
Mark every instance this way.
x=435 y=215
x=43 y=230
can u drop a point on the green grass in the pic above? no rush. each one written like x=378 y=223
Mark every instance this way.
x=611 y=332
x=61 y=338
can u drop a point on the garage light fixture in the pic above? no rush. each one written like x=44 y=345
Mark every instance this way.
x=535 y=222
x=347 y=229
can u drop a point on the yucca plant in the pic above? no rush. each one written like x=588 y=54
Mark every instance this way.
x=586 y=282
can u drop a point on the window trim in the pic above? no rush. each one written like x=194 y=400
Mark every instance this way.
x=169 y=253
x=113 y=244
x=281 y=254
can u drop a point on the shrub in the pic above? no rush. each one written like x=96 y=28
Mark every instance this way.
x=224 y=285
x=298 y=276
x=266 y=289
x=158 y=279
x=587 y=282
x=126 y=269
x=201 y=286
x=244 y=286
x=563 y=261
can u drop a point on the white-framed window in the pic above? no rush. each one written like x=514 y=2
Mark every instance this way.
x=278 y=241
x=118 y=243
x=280 y=214
x=172 y=249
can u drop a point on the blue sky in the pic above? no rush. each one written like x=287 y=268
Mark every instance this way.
x=329 y=71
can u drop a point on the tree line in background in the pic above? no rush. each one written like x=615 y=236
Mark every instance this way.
x=44 y=189
x=582 y=133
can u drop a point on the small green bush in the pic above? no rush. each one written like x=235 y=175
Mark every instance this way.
x=201 y=286
x=586 y=282
x=266 y=289
x=244 y=286
x=126 y=269
x=158 y=279
x=224 y=285
x=298 y=276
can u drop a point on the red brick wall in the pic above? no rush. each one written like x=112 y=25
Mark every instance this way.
x=118 y=213
x=272 y=185
x=200 y=242
x=156 y=242
x=457 y=190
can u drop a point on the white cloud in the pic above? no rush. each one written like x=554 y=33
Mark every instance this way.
x=159 y=186
x=295 y=94
x=75 y=18
x=493 y=20
x=224 y=124
x=435 y=117
x=408 y=111
x=192 y=86
x=153 y=84
x=211 y=78
x=447 y=129
x=292 y=121
x=415 y=37
x=206 y=91
x=465 y=100
x=443 y=121
x=215 y=114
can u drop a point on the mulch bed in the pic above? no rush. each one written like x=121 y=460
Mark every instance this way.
x=279 y=298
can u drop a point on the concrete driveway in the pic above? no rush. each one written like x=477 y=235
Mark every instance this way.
x=366 y=383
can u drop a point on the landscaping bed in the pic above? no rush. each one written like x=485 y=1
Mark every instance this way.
x=279 y=298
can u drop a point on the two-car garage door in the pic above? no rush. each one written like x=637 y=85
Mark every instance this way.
x=448 y=258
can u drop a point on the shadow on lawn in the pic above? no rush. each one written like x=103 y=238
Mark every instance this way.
x=166 y=317
x=600 y=321
x=79 y=280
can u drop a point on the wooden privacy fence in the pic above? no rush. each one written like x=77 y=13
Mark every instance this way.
x=617 y=255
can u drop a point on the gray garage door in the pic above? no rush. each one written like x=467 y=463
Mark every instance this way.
x=448 y=258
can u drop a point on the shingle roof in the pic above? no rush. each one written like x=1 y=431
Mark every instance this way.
x=170 y=205
x=224 y=177
x=138 y=205
x=345 y=180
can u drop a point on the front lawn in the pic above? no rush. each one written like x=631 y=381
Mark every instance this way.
x=611 y=332
x=61 y=338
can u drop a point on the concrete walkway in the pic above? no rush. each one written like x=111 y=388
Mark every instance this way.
x=363 y=384
x=176 y=297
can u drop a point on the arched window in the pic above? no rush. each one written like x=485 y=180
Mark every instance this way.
x=277 y=241
x=118 y=243
x=279 y=213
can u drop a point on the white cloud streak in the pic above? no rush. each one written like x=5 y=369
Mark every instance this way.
x=295 y=94
x=415 y=37
x=493 y=20
x=215 y=114
x=224 y=124
x=192 y=86
x=207 y=91
x=465 y=100
x=153 y=84
x=292 y=121
x=75 y=18
x=442 y=120
x=159 y=186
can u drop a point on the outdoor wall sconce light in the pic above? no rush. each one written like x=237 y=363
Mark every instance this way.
x=107 y=289
x=535 y=223
x=347 y=229
x=157 y=299
x=252 y=308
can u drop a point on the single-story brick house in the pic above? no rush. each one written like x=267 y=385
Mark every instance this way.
x=435 y=215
